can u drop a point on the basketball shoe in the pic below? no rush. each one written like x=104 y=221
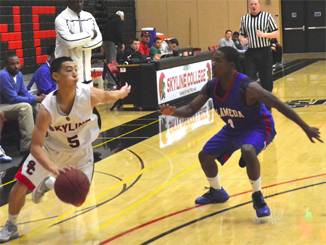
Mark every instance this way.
x=260 y=205
x=8 y=232
x=3 y=156
x=39 y=191
x=213 y=196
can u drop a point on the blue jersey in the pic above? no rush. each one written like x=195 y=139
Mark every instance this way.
x=232 y=106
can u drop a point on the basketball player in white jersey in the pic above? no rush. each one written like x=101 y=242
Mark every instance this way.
x=62 y=138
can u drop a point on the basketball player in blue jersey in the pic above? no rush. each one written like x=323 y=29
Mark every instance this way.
x=240 y=102
x=62 y=138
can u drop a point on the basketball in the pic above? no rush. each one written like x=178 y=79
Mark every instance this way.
x=72 y=187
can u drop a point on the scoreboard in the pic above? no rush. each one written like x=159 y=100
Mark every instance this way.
x=28 y=31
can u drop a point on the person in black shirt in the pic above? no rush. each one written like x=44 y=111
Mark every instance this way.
x=112 y=37
x=132 y=51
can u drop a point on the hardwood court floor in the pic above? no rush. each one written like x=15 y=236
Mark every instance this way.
x=145 y=192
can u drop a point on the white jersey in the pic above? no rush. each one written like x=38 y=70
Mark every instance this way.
x=74 y=33
x=74 y=132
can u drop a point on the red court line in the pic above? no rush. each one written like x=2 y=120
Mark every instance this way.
x=197 y=206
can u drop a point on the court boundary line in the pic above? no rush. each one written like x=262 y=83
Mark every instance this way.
x=140 y=171
x=117 y=185
x=300 y=62
x=135 y=204
x=198 y=206
x=224 y=210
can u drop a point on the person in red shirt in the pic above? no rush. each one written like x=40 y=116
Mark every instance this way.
x=144 y=40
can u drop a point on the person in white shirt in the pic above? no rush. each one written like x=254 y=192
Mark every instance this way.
x=168 y=46
x=77 y=34
x=227 y=41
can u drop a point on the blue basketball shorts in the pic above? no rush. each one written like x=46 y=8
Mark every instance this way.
x=224 y=143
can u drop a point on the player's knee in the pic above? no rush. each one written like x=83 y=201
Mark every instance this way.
x=247 y=151
x=18 y=189
x=26 y=108
x=204 y=157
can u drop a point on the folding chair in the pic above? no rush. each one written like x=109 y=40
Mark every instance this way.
x=114 y=72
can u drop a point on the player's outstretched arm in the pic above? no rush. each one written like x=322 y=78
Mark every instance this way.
x=38 y=138
x=187 y=110
x=256 y=93
x=99 y=96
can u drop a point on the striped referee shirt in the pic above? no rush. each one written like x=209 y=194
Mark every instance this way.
x=263 y=22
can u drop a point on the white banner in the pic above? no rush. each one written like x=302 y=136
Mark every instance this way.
x=174 y=83
x=173 y=128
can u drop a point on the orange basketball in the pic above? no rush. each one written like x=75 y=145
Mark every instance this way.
x=72 y=187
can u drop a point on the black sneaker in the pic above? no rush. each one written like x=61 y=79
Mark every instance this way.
x=260 y=205
x=213 y=196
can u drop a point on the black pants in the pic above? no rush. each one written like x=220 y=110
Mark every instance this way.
x=260 y=60
x=277 y=55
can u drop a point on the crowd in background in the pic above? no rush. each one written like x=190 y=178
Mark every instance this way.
x=21 y=104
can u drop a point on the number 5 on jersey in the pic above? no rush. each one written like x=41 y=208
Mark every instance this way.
x=73 y=141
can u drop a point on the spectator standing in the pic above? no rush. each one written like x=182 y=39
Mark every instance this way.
x=77 y=34
x=15 y=101
x=112 y=37
x=42 y=81
x=144 y=40
x=3 y=156
x=256 y=29
x=168 y=46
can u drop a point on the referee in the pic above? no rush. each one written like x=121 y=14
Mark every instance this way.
x=256 y=29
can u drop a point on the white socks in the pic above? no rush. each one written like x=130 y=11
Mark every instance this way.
x=214 y=182
x=13 y=218
x=49 y=183
x=255 y=184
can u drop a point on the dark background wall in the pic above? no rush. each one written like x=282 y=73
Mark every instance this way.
x=27 y=26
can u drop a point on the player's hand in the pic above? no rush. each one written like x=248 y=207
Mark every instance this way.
x=260 y=33
x=56 y=171
x=123 y=47
x=95 y=34
x=125 y=90
x=166 y=110
x=313 y=132
x=244 y=41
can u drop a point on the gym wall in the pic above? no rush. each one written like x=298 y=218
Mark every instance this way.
x=197 y=23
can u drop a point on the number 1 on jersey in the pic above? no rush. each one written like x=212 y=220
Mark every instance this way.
x=230 y=122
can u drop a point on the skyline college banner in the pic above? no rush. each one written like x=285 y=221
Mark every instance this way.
x=173 y=128
x=174 y=83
